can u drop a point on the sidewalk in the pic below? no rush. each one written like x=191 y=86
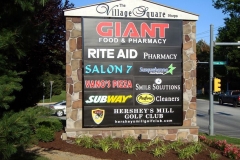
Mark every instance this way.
x=59 y=155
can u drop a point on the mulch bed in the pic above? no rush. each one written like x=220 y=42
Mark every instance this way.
x=67 y=146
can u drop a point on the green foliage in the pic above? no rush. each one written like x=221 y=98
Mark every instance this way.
x=130 y=148
x=78 y=141
x=19 y=129
x=159 y=151
x=45 y=134
x=57 y=86
x=87 y=142
x=176 y=144
x=116 y=145
x=129 y=140
x=141 y=146
x=228 y=33
x=214 y=155
x=56 y=98
x=203 y=50
x=14 y=131
x=9 y=82
x=229 y=140
x=104 y=144
x=52 y=123
x=189 y=151
x=31 y=42
x=129 y=145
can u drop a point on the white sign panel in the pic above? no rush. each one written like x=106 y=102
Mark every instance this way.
x=131 y=9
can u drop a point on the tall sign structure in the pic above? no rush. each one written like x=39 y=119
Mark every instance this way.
x=131 y=65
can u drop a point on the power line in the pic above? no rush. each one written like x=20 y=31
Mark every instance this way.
x=207 y=31
x=205 y=36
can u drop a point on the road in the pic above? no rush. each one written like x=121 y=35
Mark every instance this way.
x=226 y=118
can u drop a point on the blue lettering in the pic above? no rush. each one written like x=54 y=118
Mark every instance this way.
x=128 y=68
x=95 y=69
x=119 y=69
x=112 y=69
x=102 y=69
x=87 y=69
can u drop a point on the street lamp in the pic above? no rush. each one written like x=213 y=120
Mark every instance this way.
x=51 y=83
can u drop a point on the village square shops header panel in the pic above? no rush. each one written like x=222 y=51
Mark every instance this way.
x=132 y=72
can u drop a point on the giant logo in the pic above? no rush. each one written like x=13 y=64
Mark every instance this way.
x=109 y=99
x=155 y=70
x=130 y=34
x=114 y=29
x=145 y=98
x=98 y=115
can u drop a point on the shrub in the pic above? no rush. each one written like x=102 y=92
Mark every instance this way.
x=228 y=150
x=45 y=134
x=214 y=155
x=53 y=123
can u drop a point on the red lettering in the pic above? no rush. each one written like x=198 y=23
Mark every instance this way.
x=129 y=84
x=152 y=31
x=122 y=84
x=105 y=29
x=89 y=83
x=132 y=30
x=108 y=84
x=114 y=83
x=98 y=84
x=101 y=25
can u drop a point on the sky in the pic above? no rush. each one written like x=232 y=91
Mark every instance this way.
x=207 y=13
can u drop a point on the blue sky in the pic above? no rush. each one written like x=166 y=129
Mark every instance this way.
x=207 y=13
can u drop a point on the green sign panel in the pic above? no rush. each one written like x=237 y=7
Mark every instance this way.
x=219 y=62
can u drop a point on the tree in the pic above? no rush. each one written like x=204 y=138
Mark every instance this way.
x=15 y=41
x=32 y=42
x=203 y=52
x=229 y=33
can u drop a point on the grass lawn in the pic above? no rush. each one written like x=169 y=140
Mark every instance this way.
x=55 y=98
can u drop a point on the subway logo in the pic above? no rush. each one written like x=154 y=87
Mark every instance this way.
x=108 y=99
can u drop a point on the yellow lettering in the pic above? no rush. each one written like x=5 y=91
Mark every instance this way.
x=126 y=97
x=119 y=99
x=111 y=99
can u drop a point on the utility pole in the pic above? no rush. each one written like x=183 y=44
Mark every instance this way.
x=211 y=118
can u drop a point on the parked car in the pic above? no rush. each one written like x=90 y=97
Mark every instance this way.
x=231 y=96
x=59 y=108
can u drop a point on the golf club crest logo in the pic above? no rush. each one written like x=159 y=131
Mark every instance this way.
x=98 y=115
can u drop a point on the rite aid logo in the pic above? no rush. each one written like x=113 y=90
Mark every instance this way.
x=145 y=98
